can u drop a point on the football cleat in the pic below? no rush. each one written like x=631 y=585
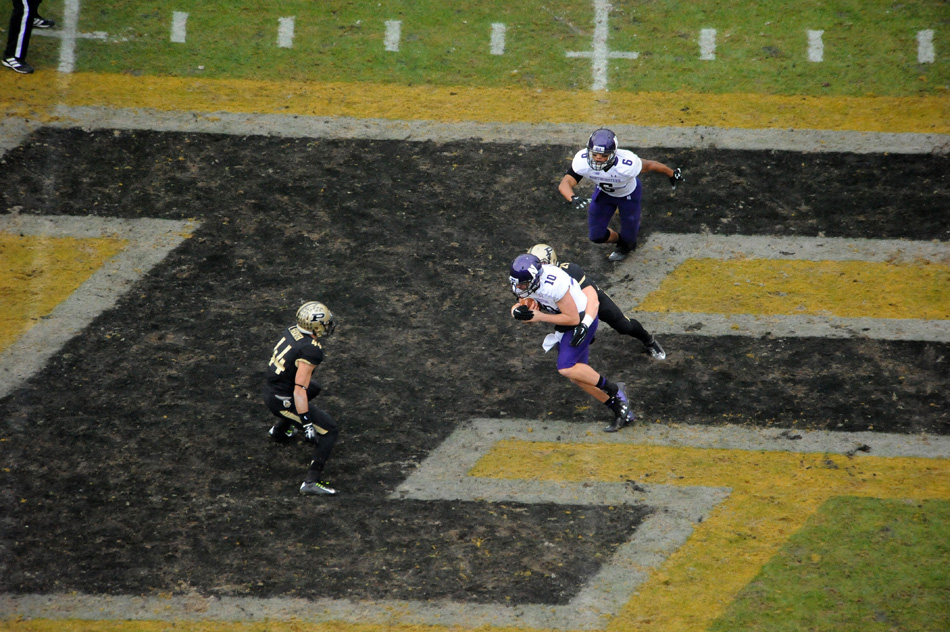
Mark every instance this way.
x=620 y=252
x=621 y=407
x=17 y=65
x=656 y=350
x=316 y=488
x=284 y=435
x=40 y=22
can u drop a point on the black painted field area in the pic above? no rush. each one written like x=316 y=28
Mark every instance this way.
x=138 y=461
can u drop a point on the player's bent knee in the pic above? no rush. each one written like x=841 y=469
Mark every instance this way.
x=602 y=239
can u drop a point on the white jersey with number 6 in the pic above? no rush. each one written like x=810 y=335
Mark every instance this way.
x=618 y=181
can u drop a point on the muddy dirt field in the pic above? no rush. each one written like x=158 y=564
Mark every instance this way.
x=138 y=461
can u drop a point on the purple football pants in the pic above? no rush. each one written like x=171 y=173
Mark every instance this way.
x=602 y=208
x=568 y=356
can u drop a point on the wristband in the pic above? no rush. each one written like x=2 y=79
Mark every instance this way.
x=588 y=319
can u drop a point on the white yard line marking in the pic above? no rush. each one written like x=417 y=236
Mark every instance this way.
x=498 y=38
x=925 y=47
x=707 y=44
x=150 y=241
x=285 y=32
x=816 y=47
x=393 y=33
x=599 y=53
x=662 y=253
x=68 y=35
x=179 y=27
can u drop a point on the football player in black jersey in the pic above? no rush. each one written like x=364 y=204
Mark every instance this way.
x=290 y=388
x=608 y=311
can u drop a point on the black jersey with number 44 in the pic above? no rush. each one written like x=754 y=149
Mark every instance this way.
x=295 y=347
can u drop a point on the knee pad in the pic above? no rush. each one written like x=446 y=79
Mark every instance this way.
x=603 y=238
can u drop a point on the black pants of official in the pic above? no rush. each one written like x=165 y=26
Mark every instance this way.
x=21 y=27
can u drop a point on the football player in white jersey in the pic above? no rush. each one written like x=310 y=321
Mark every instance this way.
x=562 y=303
x=615 y=172
x=607 y=311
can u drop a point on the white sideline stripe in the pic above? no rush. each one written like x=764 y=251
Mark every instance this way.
x=150 y=240
x=599 y=53
x=285 y=32
x=816 y=47
x=661 y=253
x=446 y=469
x=497 y=46
x=179 y=27
x=300 y=126
x=925 y=47
x=707 y=44
x=393 y=33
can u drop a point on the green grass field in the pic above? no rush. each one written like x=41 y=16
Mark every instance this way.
x=870 y=46
x=861 y=565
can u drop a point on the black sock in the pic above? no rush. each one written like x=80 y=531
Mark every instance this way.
x=314 y=473
x=607 y=386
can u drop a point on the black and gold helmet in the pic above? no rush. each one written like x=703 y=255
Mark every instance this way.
x=314 y=318
x=545 y=253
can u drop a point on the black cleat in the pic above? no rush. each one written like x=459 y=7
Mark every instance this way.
x=17 y=65
x=656 y=350
x=282 y=436
x=621 y=407
x=317 y=488
x=620 y=252
x=40 y=22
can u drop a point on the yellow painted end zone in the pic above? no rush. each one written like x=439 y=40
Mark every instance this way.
x=37 y=95
x=848 y=289
x=37 y=273
x=773 y=494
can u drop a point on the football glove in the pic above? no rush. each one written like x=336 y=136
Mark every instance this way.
x=579 y=203
x=580 y=332
x=676 y=178
x=523 y=312
x=310 y=433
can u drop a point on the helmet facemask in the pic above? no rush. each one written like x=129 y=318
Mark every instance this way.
x=603 y=142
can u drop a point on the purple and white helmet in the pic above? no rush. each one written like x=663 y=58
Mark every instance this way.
x=525 y=275
x=602 y=141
